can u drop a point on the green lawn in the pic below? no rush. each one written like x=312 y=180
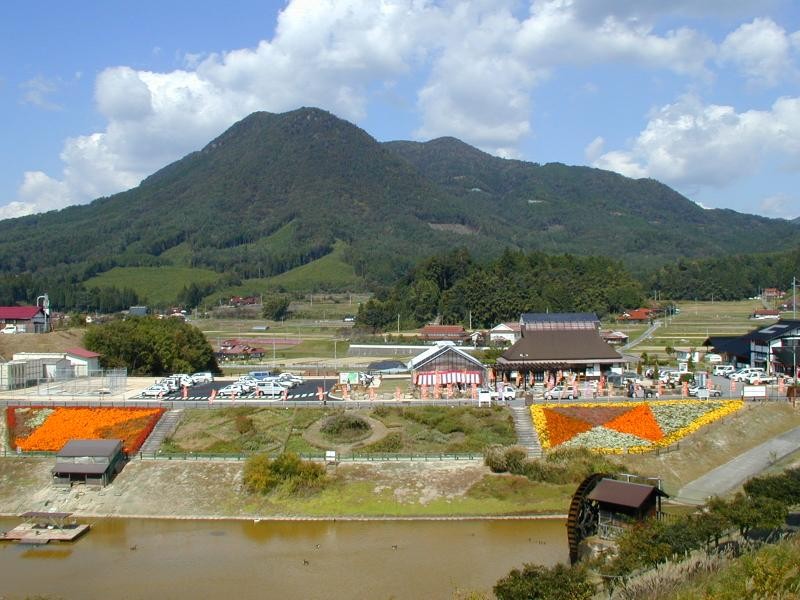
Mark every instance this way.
x=415 y=430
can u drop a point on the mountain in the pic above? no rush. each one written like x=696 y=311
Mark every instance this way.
x=277 y=191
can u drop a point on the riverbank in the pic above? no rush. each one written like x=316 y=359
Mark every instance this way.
x=441 y=490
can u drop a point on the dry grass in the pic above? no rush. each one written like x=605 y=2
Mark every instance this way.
x=716 y=444
x=55 y=341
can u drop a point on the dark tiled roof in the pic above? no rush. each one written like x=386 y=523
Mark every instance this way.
x=74 y=448
x=530 y=318
x=561 y=345
x=776 y=330
x=623 y=493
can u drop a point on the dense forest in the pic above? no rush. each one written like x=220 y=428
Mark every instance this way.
x=465 y=291
x=728 y=278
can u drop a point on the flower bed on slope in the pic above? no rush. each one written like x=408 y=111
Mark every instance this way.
x=625 y=427
x=48 y=429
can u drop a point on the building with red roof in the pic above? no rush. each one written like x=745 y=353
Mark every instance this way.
x=28 y=319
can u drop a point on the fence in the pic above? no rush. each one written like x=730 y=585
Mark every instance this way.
x=352 y=457
x=64 y=382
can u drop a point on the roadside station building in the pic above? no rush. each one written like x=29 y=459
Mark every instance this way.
x=552 y=343
x=445 y=364
x=88 y=461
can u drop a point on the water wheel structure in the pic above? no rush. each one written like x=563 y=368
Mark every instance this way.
x=583 y=514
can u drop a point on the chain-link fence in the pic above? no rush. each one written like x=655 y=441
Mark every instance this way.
x=64 y=382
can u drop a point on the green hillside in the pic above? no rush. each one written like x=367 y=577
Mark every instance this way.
x=157 y=286
x=275 y=192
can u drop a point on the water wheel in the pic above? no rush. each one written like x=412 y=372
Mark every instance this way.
x=582 y=518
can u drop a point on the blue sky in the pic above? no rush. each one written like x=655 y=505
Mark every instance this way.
x=703 y=96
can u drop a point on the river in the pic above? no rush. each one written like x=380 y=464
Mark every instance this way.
x=238 y=560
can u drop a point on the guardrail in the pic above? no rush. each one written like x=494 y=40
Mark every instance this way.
x=376 y=457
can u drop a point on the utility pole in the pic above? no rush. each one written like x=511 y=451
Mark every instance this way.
x=794 y=298
x=398 y=323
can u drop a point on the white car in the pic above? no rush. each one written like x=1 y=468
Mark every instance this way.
x=9 y=328
x=170 y=383
x=712 y=393
x=270 y=389
x=247 y=382
x=183 y=379
x=234 y=389
x=744 y=374
x=203 y=377
x=724 y=370
x=761 y=379
x=561 y=391
x=155 y=391
x=289 y=379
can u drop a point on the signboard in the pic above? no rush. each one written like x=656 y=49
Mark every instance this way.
x=349 y=377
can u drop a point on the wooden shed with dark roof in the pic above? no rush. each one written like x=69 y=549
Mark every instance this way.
x=88 y=461
x=621 y=503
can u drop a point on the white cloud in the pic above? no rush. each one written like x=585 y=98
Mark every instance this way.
x=37 y=91
x=761 y=50
x=781 y=206
x=480 y=63
x=595 y=149
x=689 y=143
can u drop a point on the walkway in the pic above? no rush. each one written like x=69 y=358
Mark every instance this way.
x=166 y=426
x=648 y=332
x=735 y=472
x=526 y=433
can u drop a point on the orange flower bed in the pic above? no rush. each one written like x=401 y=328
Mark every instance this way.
x=132 y=425
x=639 y=422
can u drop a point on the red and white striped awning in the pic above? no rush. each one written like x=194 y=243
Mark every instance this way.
x=445 y=377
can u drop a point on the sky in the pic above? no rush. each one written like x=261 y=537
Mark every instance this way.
x=700 y=95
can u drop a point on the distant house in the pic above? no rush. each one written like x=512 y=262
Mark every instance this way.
x=244 y=300
x=559 y=321
x=238 y=350
x=505 y=332
x=637 y=315
x=451 y=333
x=137 y=311
x=615 y=338
x=28 y=319
x=73 y=362
x=772 y=294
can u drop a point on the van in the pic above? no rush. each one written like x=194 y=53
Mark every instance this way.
x=270 y=389
x=260 y=375
x=723 y=370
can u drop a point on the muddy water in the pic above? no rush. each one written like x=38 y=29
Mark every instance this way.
x=240 y=560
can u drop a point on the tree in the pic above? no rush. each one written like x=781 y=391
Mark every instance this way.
x=275 y=307
x=150 y=346
x=535 y=582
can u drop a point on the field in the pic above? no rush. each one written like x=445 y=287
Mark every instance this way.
x=155 y=286
x=696 y=321
x=417 y=430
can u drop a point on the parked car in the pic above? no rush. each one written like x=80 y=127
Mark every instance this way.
x=170 y=383
x=182 y=379
x=761 y=379
x=203 y=377
x=233 y=389
x=712 y=393
x=724 y=370
x=506 y=393
x=561 y=391
x=286 y=376
x=9 y=328
x=155 y=391
x=260 y=375
x=287 y=380
x=270 y=389
x=247 y=382
x=744 y=374
x=713 y=358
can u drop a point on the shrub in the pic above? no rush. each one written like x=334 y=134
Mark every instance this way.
x=495 y=458
x=262 y=475
x=244 y=424
x=534 y=581
x=345 y=428
x=516 y=458
x=393 y=442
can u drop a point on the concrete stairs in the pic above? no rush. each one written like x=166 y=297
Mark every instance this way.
x=166 y=426
x=526 y=433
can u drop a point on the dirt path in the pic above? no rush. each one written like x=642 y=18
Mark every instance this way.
x=314 y=436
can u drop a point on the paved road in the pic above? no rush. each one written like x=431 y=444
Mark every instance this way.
x=735 y=472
